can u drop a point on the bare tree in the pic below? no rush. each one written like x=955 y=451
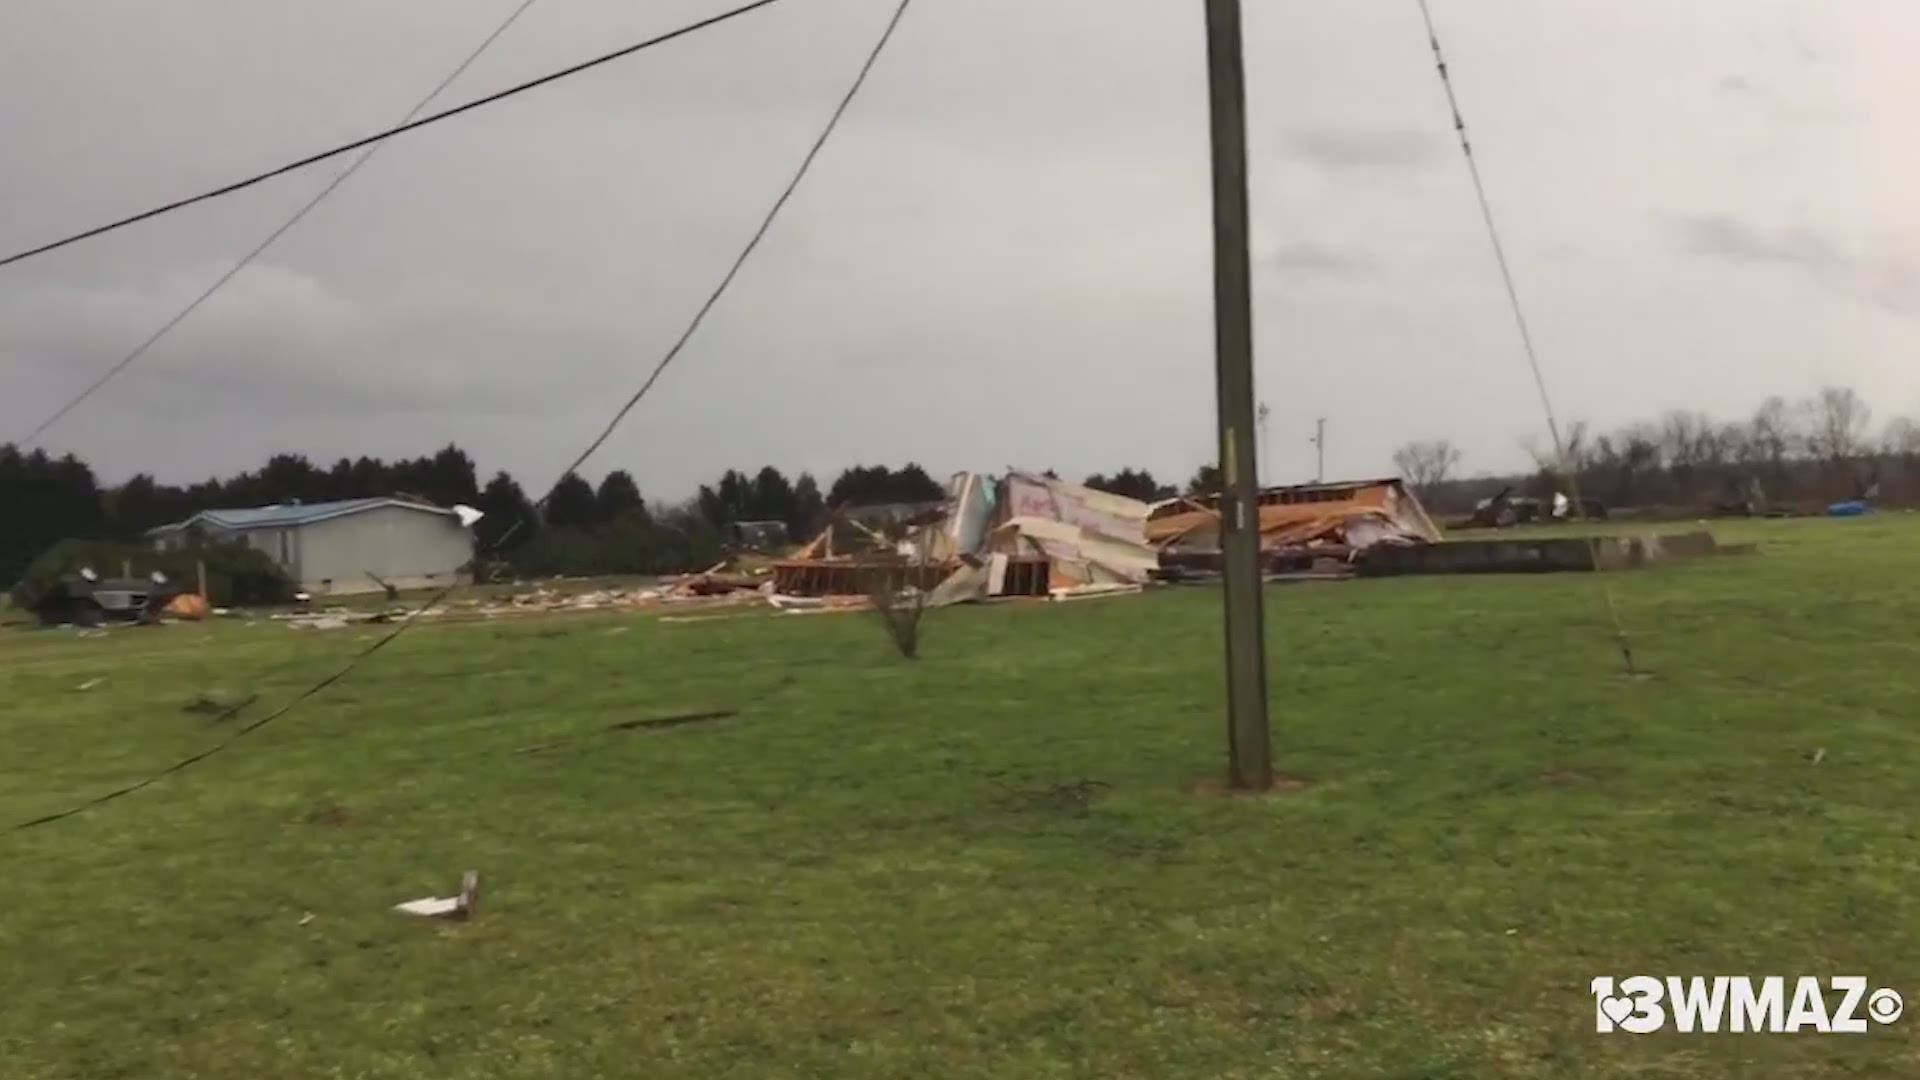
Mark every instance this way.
x=899 y=596
x=1742 y=449
x=1837 y=424
x=1902 y=439
x=1773 y=437
x=1575 y=452
x=1427 y=463
x=1626 y=462
x=1687 y=441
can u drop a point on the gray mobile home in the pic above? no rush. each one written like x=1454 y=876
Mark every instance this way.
x=342 y=547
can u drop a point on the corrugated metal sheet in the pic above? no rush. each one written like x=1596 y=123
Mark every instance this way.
x=1028 y=496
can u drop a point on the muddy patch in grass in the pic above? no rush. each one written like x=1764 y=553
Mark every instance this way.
x=332 y=817
x=215 y=708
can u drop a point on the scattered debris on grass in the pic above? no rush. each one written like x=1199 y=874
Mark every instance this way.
x=653 y=723
x=214 y=707
x=447 y=907
x=186 y=607
x=314 y=622
x=1820 y=755
x=91 y=683
x=682 y=619
x=681 y=720
x=1093 y=592
x=307 y=918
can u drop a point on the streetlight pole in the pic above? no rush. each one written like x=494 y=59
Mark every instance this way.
x=1249 y=749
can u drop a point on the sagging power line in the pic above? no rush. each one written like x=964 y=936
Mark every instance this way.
x=272 y=238
x=400 y=129
x=1562 y=454
x=766 y=223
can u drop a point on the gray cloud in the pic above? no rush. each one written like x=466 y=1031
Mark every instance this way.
x=1883 y=279
x=1364 y=149
x=1002 y=258
x=1306 y=257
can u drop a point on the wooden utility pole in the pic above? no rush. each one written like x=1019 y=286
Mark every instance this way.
x=1249 y=751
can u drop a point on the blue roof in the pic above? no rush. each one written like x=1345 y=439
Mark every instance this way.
x=291 y=514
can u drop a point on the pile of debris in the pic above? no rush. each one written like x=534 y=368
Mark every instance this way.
x=1309 y=530
x=1022 y=535
x=1015 y=536
x=711 y=587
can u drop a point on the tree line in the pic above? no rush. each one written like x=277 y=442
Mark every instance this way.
x=1819 y=449
x=579 y=526
x=1784 y=453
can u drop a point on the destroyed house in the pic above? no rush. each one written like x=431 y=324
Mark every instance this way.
x=1019 y=534
x=1340 y=518
x=353 y=546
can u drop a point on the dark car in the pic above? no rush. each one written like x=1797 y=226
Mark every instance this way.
x=85 y=600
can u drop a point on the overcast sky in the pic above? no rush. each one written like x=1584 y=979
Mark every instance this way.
x=1003 y=257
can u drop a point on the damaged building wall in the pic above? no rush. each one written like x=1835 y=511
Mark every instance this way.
x=1021 y=535
x=1029 y=496
x=1077 y=555
x=1354 y=515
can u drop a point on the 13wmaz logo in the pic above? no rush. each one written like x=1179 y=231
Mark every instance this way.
x=1838 y=1005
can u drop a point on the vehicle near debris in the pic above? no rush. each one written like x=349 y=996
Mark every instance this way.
x=87 y=599
x=1506 y=509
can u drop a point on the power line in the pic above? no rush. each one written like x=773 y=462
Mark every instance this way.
x=401 y=129
x=1560 y=448
x=759 y=234
x=733 y=271
x=1493 y=228
x=273 y=237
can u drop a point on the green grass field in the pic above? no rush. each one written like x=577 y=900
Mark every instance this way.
x=993 y=862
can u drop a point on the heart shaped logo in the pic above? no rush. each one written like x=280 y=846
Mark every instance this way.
x=1617 y=1008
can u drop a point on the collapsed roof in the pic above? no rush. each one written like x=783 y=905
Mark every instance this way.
x=1355 y=515
x=1025 y=534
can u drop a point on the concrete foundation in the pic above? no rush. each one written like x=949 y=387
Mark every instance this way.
x=1537 y=555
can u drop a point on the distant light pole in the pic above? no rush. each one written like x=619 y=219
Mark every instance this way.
x=1320 y=451
x=1249 y=748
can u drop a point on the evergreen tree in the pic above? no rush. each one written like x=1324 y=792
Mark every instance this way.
x=1134 y=484
x=571 y=504
x=809 y=513
x=619 y=498
x=505 y=506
